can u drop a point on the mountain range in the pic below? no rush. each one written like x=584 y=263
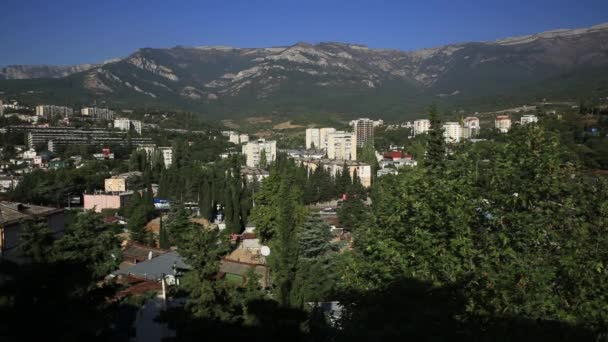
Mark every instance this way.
x=329 y=77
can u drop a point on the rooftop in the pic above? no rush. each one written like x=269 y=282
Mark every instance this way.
x=156 y=267
x=11 y=212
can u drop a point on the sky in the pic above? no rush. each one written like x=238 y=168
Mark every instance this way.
x=64 y=32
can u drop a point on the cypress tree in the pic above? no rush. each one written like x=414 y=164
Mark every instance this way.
x=163 y=239
x=435 y=152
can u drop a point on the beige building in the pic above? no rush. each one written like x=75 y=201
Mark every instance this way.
x=122 y=182
x=502 y=123
x=421 y=126
x=253 y=149
x=317 y=137
x=101 y=201
x=342 y=145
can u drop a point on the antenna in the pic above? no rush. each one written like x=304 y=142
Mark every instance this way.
x=265 y=251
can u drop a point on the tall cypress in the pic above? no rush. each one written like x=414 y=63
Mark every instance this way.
x=435 y=152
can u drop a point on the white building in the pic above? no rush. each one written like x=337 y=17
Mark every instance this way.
x=342 y=145
x=317 y=137
x=98 y=113
x=124 y=124
x=421 y=126
x=253 y=149
x=470 y=127
x=452 y=132
x=502 y=123
x=49 y=111
x=526 y=119
x=167 y=155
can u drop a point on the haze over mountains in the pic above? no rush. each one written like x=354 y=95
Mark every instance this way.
x=331 y=77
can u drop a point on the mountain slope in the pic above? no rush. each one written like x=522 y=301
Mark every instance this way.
x=334 y=77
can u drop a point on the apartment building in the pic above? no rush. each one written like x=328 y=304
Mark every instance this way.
x=124 y=124
x=253 y=150
x=452 y=132
x=334 y=167
x=317 y=138
x=364 y=129
x=50 y=111
x=421 y=126
x=98 y=113
x=342 y=145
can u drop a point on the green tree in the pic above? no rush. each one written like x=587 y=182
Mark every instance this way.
x=36 y=240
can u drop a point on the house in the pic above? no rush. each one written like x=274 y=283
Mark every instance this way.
x=167 y=266
x=122 y=182
x=57 y=163
x=251 y=173
x=14 y=214
x=8 y=183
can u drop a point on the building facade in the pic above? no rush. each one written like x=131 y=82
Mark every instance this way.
x=101 y=201
x=527 y=119
x=98 y=113
x=452 y=132
x=317 y=138
x=50 y=111
x=471 y=127
x=253 y=150
x=421 y=126
x=342 y=145
x=364 y=129
x=128 y=124
x=502 y=123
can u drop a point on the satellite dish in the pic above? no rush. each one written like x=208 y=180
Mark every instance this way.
x=265 y=251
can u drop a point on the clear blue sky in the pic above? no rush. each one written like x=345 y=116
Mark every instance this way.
x=80 y=31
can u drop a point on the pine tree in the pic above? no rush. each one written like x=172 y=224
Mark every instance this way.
x=163 y=239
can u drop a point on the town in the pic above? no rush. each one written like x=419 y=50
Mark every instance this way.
x=303 y=171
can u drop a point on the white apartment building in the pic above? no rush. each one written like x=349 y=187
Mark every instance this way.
x=124 y=124
x=49 y=111
x=253 y=149
x=342 y=145
x=502 y=123
x=167 y=155
x=452 y=132
x=236 y=138
x=421 y=126
x=526 y=119
x=317 y=137
x=98 y=113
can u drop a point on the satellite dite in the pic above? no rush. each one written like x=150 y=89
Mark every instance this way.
x=265 y=251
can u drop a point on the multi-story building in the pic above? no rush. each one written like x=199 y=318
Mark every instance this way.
x=124 y=124
x=471 y=127
x=364 y=128
x=364 y=171
x=98 y=113
x=317 y=138
x=502 y=123
x=50 y=111
x=526 y=119
x=342 y=145
x=167 y=155
x=57 y=138
x=452 y=132
x=421 y=126
x=254 y=149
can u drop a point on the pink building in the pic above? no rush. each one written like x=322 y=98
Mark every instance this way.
x=100 y=201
